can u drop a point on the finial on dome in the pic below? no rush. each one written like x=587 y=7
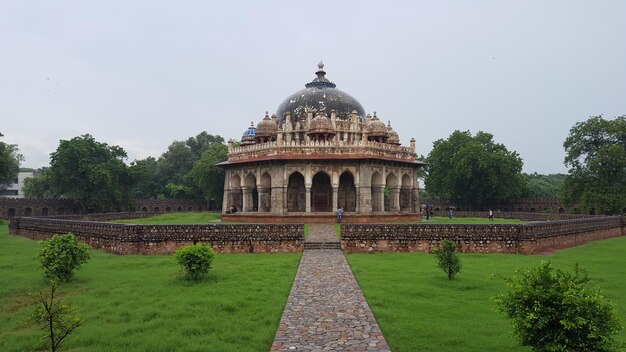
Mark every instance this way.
x=320 y=65
x=251 y=123
x=389 y=123
x=267 y=116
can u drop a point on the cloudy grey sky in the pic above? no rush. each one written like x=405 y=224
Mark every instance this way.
x=141 y=74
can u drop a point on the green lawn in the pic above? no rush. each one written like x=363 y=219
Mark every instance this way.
x=137 y=303
x=418 y=308
x=190 y=218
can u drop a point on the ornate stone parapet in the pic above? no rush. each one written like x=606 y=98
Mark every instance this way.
x=300 y=149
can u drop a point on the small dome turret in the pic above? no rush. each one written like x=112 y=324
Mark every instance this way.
x=376 y=129
x=249 y=136
x=266 y=130
x=393 y=135
x=321 y=127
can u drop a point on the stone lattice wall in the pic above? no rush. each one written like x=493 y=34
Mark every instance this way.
x=165 y=239
x=498 y=238
x=514 y=215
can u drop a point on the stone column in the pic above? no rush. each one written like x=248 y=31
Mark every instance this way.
x=335 y=198
x=277 y=203
x=358 y=199
x=226 y=202
x=379 y=198
x=395 y=198
x=247 y=199
x=308 y=199
x=264 y=203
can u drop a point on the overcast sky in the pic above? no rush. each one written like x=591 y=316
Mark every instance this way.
x=141 y=74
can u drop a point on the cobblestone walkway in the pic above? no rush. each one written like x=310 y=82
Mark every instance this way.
x=326 y=310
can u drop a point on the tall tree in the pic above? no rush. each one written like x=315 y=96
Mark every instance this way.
x=544 y=186
x=176 y=164
x=146 y=183
x=207 y=176
x=473 y=171
x=40 y=186
x=10 y=161
x=596 y=156
x=90 y=172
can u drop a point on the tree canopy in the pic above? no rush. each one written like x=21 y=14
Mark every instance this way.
x=544 y=186
x=170 y=176
x=473 y=171
x=596 y=156
x=10 y=160
x=90 y=172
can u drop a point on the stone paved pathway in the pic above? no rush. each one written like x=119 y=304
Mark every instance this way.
x=326 y=310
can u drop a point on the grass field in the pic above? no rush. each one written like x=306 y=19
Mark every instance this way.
x=454 y=220
x=137 y=303
x=419 y=309
x=176 y=219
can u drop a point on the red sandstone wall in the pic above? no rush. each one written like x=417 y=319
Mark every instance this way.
x=516 y=238
x=165 y=239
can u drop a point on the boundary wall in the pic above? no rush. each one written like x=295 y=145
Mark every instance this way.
x=165 y=239
x=530 y=238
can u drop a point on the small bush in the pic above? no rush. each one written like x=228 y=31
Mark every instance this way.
x=61 y=255
x=56 y=319
x=196 y=260
x=447 y=258
x=553 y=310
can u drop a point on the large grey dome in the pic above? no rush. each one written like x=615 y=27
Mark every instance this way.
x=320 y=95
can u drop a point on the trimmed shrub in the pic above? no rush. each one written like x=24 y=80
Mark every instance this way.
x=61 y=255
x=553 y=310
x=195 y=260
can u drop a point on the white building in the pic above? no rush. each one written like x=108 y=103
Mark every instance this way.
x=15 y=190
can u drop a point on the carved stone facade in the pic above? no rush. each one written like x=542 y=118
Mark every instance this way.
x=320 y=154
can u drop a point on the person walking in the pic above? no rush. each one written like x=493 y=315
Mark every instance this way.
x=450 y=214
x=339 y=215
x=490 y=215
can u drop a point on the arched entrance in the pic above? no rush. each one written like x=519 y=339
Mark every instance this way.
x=321 y=193
x=392 y=194
x=296 y=193
x=11 y=213
x=405 y=193
x=347 y=192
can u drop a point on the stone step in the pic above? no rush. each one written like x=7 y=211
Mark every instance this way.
x=322 y=245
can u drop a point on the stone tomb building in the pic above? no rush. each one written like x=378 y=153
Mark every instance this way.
x=319 y=152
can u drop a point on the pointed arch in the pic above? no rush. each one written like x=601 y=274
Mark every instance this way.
x=296 y=193
x=347 y=192
x=321 y=192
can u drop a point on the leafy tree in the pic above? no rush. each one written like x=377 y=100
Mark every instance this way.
x=55 y=318
x=473 y=171
x=176 y=164
x=208 y=177
x=61 y=256
x=553 y=310
x=196 y=260
x=146 y=183
x=596 y=156
x=40 y=186
x=90 y=172
x=447 y=258
x=544 y=186
x=10 y=161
